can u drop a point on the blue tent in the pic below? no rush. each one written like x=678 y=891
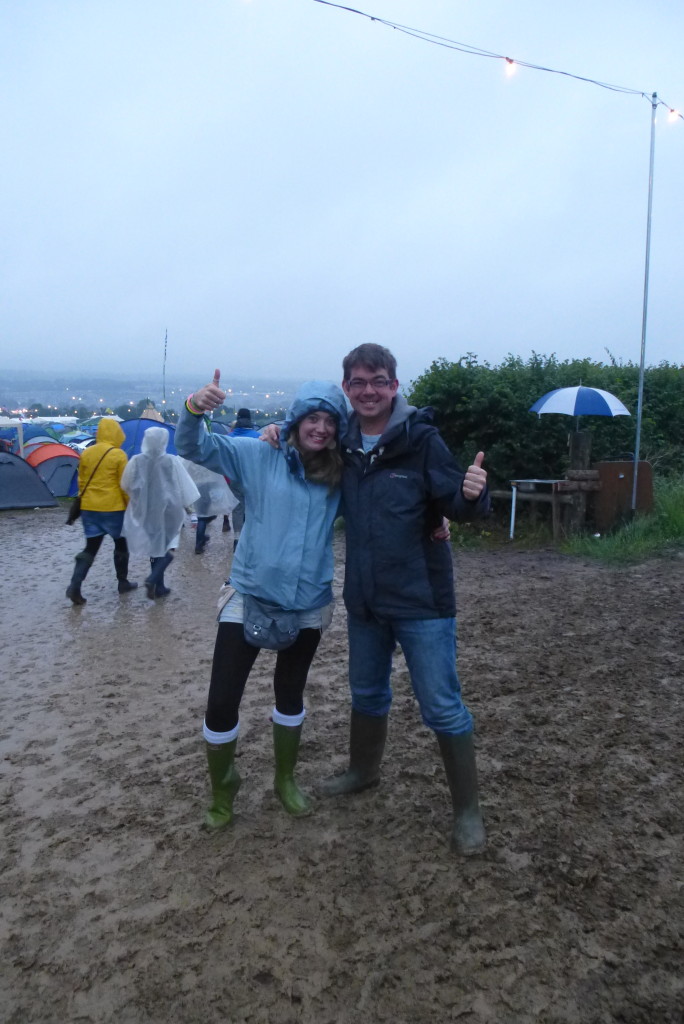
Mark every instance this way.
x=32 y=430
x=75 y=435
x=134 y=430
x=29 y=431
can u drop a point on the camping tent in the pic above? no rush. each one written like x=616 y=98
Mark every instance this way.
x=32 y=430
x=20 y=425
x=20 y=485
x=76 y=435
x=134 y=430
x=57 y=466
x=93 y=422
x=31 y=436
x=35 y=442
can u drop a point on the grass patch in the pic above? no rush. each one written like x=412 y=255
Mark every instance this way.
x=646 y=536
x=470 y=536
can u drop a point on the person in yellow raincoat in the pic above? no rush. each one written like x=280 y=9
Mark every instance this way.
x=103 y=504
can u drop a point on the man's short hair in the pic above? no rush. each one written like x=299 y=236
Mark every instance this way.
x=372 y=357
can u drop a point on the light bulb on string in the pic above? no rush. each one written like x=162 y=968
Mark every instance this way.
x=673 y=115
x=510 y=66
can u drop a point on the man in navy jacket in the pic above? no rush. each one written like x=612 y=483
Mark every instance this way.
x=399 y=480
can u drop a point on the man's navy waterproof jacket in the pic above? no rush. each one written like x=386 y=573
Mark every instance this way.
x=393 y=497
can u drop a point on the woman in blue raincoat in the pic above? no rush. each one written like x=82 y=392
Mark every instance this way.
x=284 y=557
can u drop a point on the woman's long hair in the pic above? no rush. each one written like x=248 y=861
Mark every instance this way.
x=324 y=467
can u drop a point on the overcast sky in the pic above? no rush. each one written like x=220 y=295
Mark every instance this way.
x=276 y=181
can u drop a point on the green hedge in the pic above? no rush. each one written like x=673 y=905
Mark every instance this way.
x=483 y=407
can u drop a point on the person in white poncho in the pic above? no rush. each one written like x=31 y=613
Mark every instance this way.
x=215 y=499
x=159 y=489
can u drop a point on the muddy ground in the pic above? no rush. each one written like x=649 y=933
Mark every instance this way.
x=118 y=907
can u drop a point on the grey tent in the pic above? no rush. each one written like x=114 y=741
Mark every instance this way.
x=57 y=466
x=20 y=485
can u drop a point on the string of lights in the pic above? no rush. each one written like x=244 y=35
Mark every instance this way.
x=511 y=62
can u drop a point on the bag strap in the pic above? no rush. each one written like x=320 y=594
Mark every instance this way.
x=95 y=470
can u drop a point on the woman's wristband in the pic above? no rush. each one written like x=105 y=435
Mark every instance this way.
x=191 y=407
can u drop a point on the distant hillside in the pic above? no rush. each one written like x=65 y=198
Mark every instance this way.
x=19 y=388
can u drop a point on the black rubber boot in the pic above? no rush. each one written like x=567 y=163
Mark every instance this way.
x=458 y=753
x=286 y=740
x=121 y=567
x=83 y=563
x=154 y=584
x=201 y=537
x=367 y=735
x=225 y=782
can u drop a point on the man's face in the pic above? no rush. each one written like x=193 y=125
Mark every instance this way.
x=370 y=393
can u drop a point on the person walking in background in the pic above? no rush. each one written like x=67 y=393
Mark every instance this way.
x=284 y=559
x=215 y=499
x=243 y=427
x=103 y=504
x=398 y=588
x=159 y=489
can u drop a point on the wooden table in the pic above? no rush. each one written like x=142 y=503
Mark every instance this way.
x=535 y=489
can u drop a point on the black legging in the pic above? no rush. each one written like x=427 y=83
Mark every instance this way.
x=233 y=660
x=93 y=545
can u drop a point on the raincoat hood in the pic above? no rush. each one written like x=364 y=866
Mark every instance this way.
x=314 y=395
x=244 y=418
x=154 y=442
x=109 y=432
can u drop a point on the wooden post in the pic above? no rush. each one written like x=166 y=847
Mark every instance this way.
x=555 y=513
x=579 y=445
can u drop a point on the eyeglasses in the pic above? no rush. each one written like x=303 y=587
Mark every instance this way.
x=378 y=383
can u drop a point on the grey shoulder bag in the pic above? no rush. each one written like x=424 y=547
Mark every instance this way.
x=268 y=625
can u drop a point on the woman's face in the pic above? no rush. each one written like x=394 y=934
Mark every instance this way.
x=316 y=431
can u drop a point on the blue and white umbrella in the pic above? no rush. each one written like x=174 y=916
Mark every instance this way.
x=580 y=401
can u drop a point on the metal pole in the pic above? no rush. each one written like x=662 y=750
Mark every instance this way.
x=514 y=495
x=640 y=398
x=166 y=338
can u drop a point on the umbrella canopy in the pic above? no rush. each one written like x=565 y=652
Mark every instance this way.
x=580 y=401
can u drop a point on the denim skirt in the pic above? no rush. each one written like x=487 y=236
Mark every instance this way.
x=96 y=524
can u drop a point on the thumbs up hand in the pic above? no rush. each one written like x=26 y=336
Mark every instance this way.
x=211 y=396
x=475 y=480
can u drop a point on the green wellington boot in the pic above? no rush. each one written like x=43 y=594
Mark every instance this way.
x=225 y=782
x=286 y=748
x=458 y=753
x=367 y=735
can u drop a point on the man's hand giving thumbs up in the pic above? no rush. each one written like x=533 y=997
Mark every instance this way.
x=475 y=480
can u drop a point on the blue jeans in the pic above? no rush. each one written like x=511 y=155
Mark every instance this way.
x=429 y=647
